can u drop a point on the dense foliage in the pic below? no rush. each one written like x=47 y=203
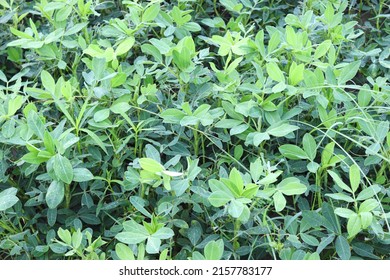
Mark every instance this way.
x=194 y=129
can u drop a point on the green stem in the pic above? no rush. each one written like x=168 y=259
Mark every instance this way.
x=67 y=196
x=318 y=184
x=237 y=225
x=196 y=140
x=215 y=8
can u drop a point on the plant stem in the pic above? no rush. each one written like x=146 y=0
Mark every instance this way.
x=67 y=196
x=237 y=225
x=196 y=140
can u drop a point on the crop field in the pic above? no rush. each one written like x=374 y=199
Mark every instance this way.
x=194 y=130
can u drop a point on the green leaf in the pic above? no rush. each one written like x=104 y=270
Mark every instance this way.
x=236 y=179
x=344 y=212
x=368 y=192
x=274 y=72
x=259 y=137
x=342 y=248
x=227 y=123
x=291 y=186
x=368 y=205
x=250 y=191
x=101 y=115
x=312 y=167
x=161 y=45
x=63 y=13
x=314 y=220
x=131 y=237
x=63 y=169
x=354 y=225
x=366 y=219
x=65 y=235
x=8 y=128
x=364 y=250
x=48 y=82
x=339 y=182
x=139 y=204
x=327 y=153
x=309 y=146
x=296 y=73
x=364 y=96
x=340 y=196
x=82 y=175
x=325 y=241
x=329 y=214
x=150 y=165
x=219 y=198
x=55 y=194
x=172 y=115
x=15 y=104
x=281 y=130
x=293 y=152
x=239 y=129
x=120 y=107
x=322 y=49
x=153 y=51
x=310 y=240
x=216 y=185
x=151 y=13
x=96 y=139
x=8 y=198
x=35 y=123
x=279 y=201
x=153 y=245
x=124 y=252
x=214 y=250
x=77 y=237
x=163 y=233
x=235 y=208
x=348 y=72
x=125 y=46
x=354 y=177
x=49 y=143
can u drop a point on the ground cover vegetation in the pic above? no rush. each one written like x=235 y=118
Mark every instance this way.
x=230 y=129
